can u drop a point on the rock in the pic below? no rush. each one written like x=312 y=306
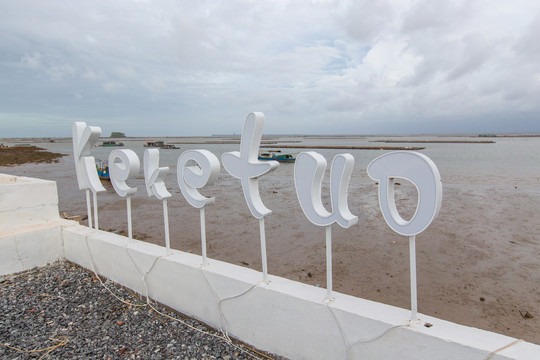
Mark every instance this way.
x=525 y=314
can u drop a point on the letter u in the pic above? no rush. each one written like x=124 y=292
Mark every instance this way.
x=308 y=173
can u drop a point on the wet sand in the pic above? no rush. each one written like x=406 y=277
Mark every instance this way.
x=477 y=264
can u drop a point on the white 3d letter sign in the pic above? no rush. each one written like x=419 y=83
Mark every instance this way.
x=423 y=173
x=123 y=165
x=84 y=139
x=245 y=165
x=154 y=180
x=154 y=175
x=308 y=174
x=191 y=178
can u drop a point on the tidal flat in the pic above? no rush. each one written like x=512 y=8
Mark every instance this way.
x=477 y=263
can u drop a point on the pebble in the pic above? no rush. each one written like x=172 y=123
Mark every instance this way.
x=85 y=321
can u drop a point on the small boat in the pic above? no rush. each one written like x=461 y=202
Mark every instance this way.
x=168 y=146
x=286 y=158
x=111 y=144
x=266 y=156
x=103 y=170
x=159 y=144
x=153 y=143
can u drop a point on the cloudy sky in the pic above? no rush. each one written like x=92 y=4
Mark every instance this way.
x=316 y=67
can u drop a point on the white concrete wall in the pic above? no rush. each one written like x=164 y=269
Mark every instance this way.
x=26 y=201
x=30 y=227
x=283 y=316
x=31 y=246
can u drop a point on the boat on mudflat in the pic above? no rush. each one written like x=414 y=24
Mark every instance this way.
x=103 y=170
x=111 y=143
x=159 y=144
x=286 y=158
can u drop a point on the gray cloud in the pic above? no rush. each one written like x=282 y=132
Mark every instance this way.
x=188 y=68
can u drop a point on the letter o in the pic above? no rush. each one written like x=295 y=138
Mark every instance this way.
x=423 y=173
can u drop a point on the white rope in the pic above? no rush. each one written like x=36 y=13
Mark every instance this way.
x=143 y=276
x=224 y=335
x=362 y=341
x=220 y=301
x=493 y=353
x=91 y=260
x=341 y=331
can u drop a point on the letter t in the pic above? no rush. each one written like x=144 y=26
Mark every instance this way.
x=244 y=165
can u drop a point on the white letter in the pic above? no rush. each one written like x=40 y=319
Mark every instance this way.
x=154 y=175
x=191 y=178
x=308 y=173
x=245 y=166
x=126 y=168
x=84 y=139
x=423 y=173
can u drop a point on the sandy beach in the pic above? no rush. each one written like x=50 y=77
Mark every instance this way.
x=477 y=264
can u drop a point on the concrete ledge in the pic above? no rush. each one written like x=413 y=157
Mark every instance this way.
x=30 y=226
x=32 y=246
x=26 y=201
x=284 y=317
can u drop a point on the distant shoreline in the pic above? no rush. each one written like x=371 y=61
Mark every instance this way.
x=236 y=137
x=347 y=147
x=435 y=141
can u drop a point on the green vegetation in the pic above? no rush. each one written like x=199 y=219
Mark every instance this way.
x=17 y=155
x=118 y=134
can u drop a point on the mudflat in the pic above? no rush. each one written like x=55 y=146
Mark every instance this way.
x=477 y=263
x=17 y=155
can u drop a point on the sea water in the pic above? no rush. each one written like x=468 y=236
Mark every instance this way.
x=509 y=161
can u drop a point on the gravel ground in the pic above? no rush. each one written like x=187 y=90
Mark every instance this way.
x=61 y=311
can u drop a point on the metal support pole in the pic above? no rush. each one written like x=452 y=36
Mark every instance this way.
x=329 y=261
x=412 y=254
x=203 y=237
x=263 y=250
x=166 y=222
x=88 y=208
x=130 y=230
x=96 y=226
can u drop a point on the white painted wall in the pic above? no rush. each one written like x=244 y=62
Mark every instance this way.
x=283 y=316
x=31 y=246
x=26 y=201
x=30 y=233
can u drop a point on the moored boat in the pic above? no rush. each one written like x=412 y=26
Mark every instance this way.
x=103 y=170
x=286 y=158
x=111 y=143
x=159 y=144
x=266 y=156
